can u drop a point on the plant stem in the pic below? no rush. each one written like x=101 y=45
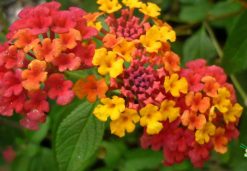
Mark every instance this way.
x=221 y=55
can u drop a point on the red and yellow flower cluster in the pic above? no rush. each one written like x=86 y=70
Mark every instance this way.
x=186 y=112
x=42 y=44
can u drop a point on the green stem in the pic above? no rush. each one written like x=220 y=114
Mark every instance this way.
x=221 y=55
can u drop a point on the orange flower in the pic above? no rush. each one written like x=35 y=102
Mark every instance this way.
x=171 y=62
x=90 y=88
x=192 y=120
x=220 y=141
x=25 y=40
x=197 y=102
x=110 y=40
x=211 y=86
x=68 y=40
x=34 y=75
x=49 y=49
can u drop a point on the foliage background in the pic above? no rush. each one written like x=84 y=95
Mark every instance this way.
x=212 y=29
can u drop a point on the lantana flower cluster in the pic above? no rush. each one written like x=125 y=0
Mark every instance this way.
x=43 y=44
x=185 y=112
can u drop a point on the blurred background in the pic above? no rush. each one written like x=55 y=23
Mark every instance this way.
x=203 y=28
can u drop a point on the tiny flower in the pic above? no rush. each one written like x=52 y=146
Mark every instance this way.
x=34 y=75
x=25 y=40
x=151 y=117
x=11 y=83
x=222 y=100
x=69 y=40
x=59 y=89
x=109 y=108
x=203 y=135
x=109 y=6
x=126 y=122
x=108 y=62
x=125 y=49
x=151 y=41
x=38 y=101
x=150 y=9
x=67 y=61
x=62 y=22
x=32 y=120
x=210 y=86
x=110 y=40
x=92 y=20
x=48 y=50
x=220 y=141
x=171 y=62
x=197 y=102
x=91 y=88
x=233 y=113
x=132 y=3
x=192 y=120
x=167 y=33
x=175 y=85
x=169 y=111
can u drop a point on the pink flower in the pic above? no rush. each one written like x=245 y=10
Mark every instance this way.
x=67 y=62
x=9 y=154
x=37 y=101
x=32 y=120
x=59 y=89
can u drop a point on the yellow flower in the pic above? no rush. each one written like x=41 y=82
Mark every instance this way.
x=109 y=6
x=175 y=85
x=151 y=41
x=125 y=49
x=167 y=34
x=222 y=100
x=169 y=111
x=150 y=9
x=111 y=108
x=132 y=3
x=233 y=113
x=203 y=135
x=150 y=117
x=126 y=122
x=108 y=62
x=92 y=20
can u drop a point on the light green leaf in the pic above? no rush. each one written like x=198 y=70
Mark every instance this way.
x=78 y=137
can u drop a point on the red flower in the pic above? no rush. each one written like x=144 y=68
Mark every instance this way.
x=86 y=53
x=62 y=22
x=59 y=89
x=11 y=83
x=67 y=62
x=37 y=101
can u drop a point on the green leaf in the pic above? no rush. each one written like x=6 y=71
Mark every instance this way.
x=195 y=13
x=198 y=46
x=78 y=137
x=139 y=159
x=235 y=51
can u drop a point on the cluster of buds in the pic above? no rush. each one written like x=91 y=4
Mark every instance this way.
x=42 y=44
x=186 y=112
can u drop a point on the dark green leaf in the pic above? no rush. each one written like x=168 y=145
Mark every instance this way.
x=198 y=46
x=195 y=13
x=235 y=51
x=78 y=137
